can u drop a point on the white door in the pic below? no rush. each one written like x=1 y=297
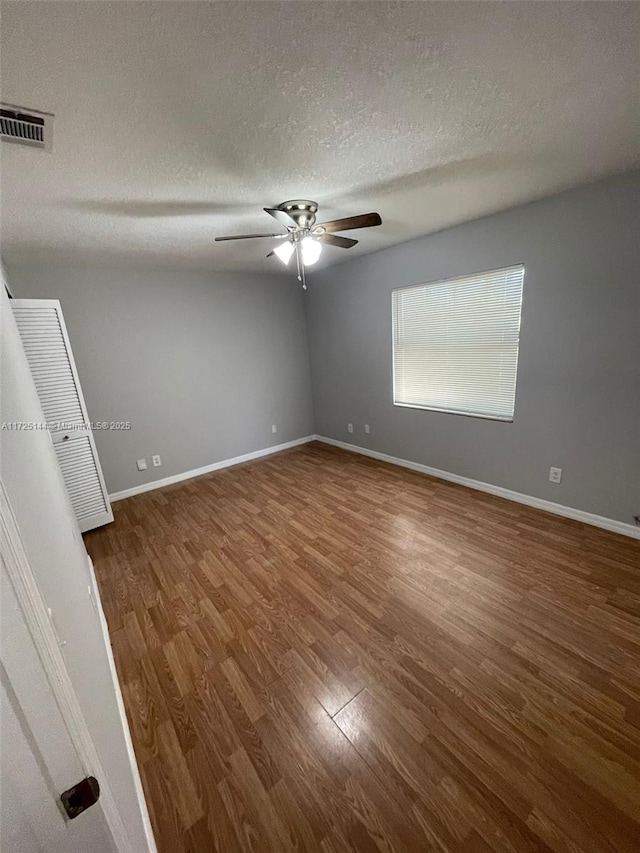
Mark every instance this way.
x=46 y=344
x=48 y=587
x=39 y=760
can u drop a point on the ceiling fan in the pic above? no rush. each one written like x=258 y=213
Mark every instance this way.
x=304 y=238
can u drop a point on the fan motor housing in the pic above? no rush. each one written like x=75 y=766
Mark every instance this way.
x=302 y=211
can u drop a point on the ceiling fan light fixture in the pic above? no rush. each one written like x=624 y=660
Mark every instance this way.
x=311 y=250
x=303 y=237
x=284 y=251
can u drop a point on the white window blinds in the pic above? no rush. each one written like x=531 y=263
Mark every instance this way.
x=455 y=344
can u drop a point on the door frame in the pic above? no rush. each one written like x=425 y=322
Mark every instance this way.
x=47 y=645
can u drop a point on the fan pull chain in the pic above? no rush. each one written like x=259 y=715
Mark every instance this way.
x=300 y=264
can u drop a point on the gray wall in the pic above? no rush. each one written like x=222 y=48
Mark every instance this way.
x=201 y=365
x=578 y=392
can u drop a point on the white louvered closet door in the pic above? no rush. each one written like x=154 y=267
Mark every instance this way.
x=44 y=337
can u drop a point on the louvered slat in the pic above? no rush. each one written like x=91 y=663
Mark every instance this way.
x=45 y=347
x=85 y=492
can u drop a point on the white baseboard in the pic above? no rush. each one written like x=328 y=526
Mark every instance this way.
x=538 y=503
x=216 y=466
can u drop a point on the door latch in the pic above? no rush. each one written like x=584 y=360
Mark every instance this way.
x=79 y=798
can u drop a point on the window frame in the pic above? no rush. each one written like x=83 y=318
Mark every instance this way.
x=443 y=410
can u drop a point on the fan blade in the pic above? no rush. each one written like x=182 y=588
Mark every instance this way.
x=282 y=217
x=250 y=237
x=336 y=240
x=366 y=220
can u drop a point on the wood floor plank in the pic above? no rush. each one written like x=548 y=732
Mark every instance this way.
x=322 y=653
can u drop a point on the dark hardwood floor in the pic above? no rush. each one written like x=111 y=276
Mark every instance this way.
x=320 y=652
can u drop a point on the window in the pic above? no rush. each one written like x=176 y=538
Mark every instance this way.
x=455 y=344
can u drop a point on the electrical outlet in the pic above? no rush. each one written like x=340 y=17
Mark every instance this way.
x=555 y=475
x=274 y=428
x=349 y=427
x=142 y=464
x=157 y=462
x=367 y=429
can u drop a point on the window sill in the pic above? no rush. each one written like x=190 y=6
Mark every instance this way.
x=485 y=417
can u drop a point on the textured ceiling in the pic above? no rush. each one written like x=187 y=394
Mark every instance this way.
x=178 y=121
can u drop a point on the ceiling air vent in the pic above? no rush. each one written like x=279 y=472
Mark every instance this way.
x=26 y=127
